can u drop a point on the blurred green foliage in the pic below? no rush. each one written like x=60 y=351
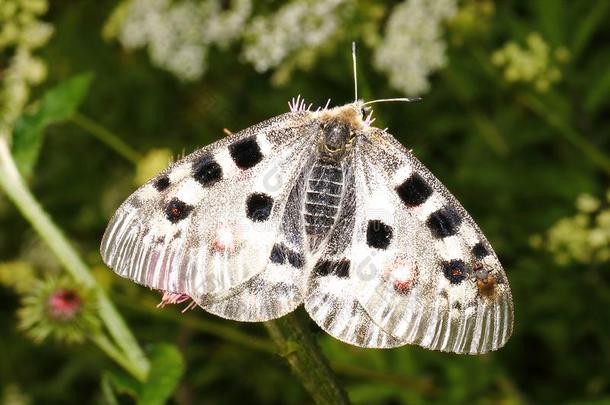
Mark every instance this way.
x=517 y=147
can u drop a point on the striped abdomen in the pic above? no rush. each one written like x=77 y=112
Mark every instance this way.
x=323 y=197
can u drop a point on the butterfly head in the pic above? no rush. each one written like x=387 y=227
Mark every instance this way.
x=339 y=126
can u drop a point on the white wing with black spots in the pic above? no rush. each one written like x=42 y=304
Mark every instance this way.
x=209 y=222
x=427 y=275
x=279 y=288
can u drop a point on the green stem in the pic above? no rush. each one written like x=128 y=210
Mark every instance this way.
x=105 y=345
x=15 y=188
x=298 y=346
x=107 y=137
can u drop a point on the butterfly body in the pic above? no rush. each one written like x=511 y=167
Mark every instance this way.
x=323 y=209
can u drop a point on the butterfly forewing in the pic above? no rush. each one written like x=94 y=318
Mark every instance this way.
x=209 y=222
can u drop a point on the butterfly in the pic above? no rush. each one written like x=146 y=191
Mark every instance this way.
x=318 y=208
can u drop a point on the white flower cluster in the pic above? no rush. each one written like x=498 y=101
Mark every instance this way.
x=178 y=34
x=297 y=25
x=413 y=46
x=20 y=33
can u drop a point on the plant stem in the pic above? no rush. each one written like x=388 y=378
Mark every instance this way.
x=15 y=188
x=105 y=345
x=107 y=137
x=299 y=348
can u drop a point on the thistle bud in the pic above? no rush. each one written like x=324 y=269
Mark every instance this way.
x=59 y=308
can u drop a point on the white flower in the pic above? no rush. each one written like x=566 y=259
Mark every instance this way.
x=178 y=34
x=413 y=48
x=222 y=27
x=297 y=25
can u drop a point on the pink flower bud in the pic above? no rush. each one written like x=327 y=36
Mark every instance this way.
x=64 y=304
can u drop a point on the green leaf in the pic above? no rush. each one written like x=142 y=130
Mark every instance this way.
x=57 y=104
x=166 y=369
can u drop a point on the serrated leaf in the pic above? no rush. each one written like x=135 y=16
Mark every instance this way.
x=57 y=104
x=166 y=369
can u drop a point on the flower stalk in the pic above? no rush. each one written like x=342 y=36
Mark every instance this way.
x=297 y=345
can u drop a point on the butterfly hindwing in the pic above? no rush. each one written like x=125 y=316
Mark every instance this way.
x=209 y=222
x=426 y=274
x=279 y=288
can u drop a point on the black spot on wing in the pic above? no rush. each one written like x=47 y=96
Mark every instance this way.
x=177 y=210
x=479 y=250
x=323 y=268
x=282 y=253
x=444 y=222
x=258 y=207
x=339 y=268
x=414 y=190
x=296 y=259
x=161 y=183
x=206 y=170
x=278 y=253
x=455 y=271
x=378 y=234
x=246 y=153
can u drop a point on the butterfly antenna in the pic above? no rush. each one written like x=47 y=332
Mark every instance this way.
x=355 y=73
x=389 y=100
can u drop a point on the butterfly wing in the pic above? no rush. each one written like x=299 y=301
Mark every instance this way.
x=279 y=288
x=422 y=269
x=209 y=222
